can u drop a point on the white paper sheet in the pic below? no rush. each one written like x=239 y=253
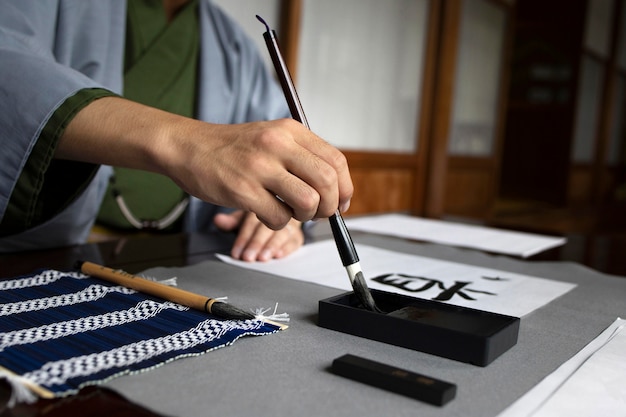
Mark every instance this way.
x=455 y=234
x=480 y=288
x=592 y=383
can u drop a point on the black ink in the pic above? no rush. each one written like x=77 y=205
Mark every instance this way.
x=495 y=278
x=406 y=283
x=448 y=293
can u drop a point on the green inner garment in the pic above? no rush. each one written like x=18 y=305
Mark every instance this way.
x=160 y=71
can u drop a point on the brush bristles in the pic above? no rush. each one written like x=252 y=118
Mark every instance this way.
x=363 y=293
x=228 y=311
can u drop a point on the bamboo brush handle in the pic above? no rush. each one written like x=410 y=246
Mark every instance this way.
x=186 y=298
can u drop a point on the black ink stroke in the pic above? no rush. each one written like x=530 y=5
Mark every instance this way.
x=495 y=278
x=404 y=282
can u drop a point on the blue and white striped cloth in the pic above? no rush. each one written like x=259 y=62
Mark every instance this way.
x=66 y=330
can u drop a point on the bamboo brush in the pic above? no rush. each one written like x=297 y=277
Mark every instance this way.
x=345 y=246
x=196 y=301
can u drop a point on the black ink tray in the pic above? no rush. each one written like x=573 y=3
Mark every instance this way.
x=454 y=332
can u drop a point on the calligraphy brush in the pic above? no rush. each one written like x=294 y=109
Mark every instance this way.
x=345 y=246
x=196 y=301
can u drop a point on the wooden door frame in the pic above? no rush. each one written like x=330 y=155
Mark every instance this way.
x=429 y=163
x=436 y=109
x=290 y=18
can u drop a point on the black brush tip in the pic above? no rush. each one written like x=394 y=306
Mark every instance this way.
x=228 y=311
x=363 y=293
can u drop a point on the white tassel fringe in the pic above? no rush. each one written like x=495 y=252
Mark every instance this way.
x=280 y=317
x=20 y=393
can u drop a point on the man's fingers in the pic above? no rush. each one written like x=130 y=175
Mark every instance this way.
x=246 y=231
x=338 y=162
x=320 y=182
x=255 y=242
x=276 y=169
x=316 y=194
x=228 y=221
x=307 y=182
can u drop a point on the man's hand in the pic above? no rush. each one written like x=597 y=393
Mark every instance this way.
x=278 y=169
x=256 y=242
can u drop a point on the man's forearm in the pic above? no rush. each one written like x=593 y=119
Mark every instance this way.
x=244 y=166
x=116 y=131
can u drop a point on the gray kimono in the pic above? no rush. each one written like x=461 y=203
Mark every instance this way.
x=50 y=50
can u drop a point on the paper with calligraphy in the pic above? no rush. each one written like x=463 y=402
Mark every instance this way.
x=455 y=283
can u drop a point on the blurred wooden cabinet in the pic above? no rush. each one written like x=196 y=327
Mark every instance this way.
x=564 y=141
x=541 y=106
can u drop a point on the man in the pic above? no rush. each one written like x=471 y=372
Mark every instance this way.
x=64 y=121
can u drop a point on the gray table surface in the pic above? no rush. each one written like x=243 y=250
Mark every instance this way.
x=287 y=373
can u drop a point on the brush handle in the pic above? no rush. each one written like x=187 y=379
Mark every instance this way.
x=340 y=231
x=345 y=246
x=284 y=76
x=186 y=298
x=343 y=240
